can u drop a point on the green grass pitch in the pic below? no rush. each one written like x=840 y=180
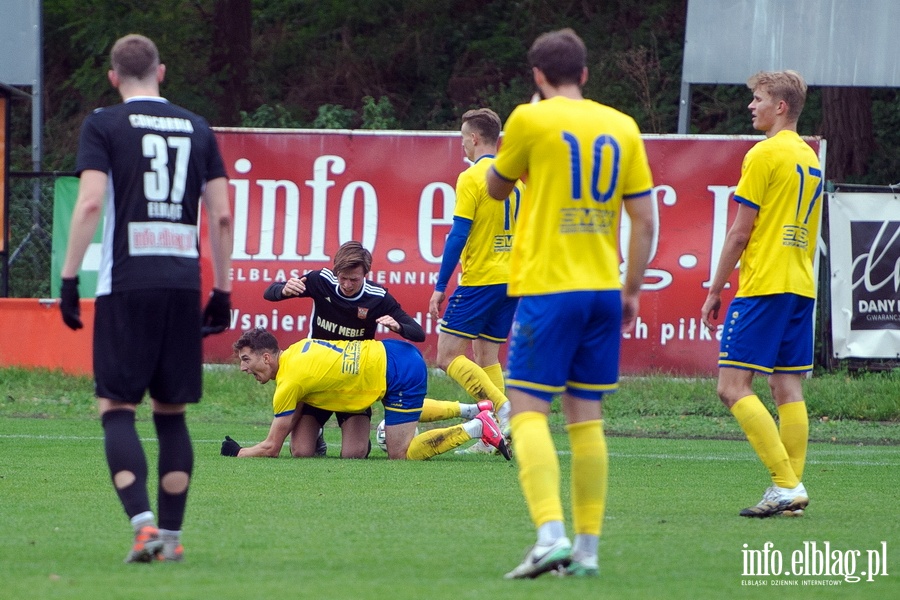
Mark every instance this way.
x=445 y=528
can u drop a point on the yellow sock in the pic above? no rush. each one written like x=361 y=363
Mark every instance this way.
x=538 y=467
x=474 y=380
x=759 y=426
x=794 y=430
x=495 y=374
x=590 y=468
x=436 y=441
x=438 y=410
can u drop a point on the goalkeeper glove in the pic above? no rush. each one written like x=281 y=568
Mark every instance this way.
x=69 y=303
x=230 y=447
x=217 y=313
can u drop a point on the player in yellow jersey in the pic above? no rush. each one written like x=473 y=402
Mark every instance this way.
x=768 y=328
x=350 y=376
x=346 y=306
x=479 y=313
x=585 y=162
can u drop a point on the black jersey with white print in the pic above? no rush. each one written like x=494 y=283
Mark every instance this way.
x=338 y=317
x=158 y=157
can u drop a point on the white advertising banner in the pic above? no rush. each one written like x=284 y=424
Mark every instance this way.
x=864 y=228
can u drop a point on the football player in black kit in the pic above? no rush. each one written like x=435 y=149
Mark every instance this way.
x=347 y=306
x=150 y=162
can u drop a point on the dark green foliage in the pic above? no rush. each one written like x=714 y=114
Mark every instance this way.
x=378 y=115
x=334 y=116
x=315 y=63
x=269 y=116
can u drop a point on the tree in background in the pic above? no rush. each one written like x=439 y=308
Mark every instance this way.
x=322 y=63
x=847 y=124
x=231 y=56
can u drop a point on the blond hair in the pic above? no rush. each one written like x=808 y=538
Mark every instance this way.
x=782 y=85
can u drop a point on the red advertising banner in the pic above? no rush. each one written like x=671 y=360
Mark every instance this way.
x=298 y=195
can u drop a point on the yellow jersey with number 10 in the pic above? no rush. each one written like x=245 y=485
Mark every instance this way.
x=582 y=159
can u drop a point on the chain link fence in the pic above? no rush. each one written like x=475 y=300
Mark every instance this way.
x=30 y=234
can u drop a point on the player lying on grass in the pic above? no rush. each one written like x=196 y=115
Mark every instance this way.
x=350 y=376
x=347 y=306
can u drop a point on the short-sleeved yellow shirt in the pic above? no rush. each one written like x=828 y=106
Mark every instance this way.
x=582 y=159
x=780 y=178
x=336 y=375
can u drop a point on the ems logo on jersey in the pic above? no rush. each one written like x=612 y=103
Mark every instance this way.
x=362 y=312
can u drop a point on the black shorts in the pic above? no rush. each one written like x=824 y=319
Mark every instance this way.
x=148 y=340
x=321 y=415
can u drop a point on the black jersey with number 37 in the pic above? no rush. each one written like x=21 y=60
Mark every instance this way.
x=151 y=238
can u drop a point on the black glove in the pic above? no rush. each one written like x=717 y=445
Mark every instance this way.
x=217 y=314
x=230 y=447
x=69 y=303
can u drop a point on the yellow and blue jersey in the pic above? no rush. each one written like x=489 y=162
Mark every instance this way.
x=336 y=375
x=781 y=179
x=582 y=160
x=485 y=257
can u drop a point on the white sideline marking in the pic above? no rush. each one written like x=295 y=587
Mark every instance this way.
x=28 y=436
x=749 y=457
x=94 y=438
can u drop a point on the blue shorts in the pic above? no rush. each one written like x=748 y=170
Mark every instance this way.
x=407 y=381
x=568 y=342
x=483 y=311
x=768 y=334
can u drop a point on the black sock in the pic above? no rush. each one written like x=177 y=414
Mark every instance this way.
x=124 y=453
x=175 y=454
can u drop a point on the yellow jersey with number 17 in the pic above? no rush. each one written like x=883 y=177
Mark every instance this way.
x=781 y=179
x=337 y=375
x=582 y=159
x=485 y=257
